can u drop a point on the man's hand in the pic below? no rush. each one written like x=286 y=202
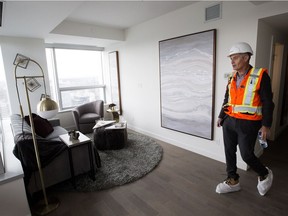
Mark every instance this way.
x=265 y=132
x=219 y=122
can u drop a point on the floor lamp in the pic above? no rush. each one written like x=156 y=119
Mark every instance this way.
x=46 y=108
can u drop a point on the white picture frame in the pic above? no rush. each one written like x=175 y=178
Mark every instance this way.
x=187 y=83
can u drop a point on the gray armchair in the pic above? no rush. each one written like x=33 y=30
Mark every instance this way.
x=85 y=115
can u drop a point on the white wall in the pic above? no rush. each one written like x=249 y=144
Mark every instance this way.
x=139 y=65
x=34 y=49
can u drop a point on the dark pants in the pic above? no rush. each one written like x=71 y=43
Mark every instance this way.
x=243 y=133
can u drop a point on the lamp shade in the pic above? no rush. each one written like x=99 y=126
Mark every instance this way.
x=47 y=108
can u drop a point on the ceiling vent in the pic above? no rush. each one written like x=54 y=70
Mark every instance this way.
x=213 y=12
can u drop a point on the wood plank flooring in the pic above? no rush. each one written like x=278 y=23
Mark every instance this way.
x=184 y=184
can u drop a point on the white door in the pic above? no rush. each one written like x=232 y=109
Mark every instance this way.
x=276 y=86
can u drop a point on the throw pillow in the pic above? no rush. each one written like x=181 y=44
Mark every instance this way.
x=42 y=126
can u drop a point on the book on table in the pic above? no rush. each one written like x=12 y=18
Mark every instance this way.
x=116 y=126
x=102 y=123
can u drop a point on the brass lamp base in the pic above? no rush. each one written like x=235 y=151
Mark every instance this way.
x=42 y=209
x=115 y=114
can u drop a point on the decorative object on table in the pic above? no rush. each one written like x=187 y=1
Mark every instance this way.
x=112 y=106
x=73 y=134
x=113 y=58
x=187 y=83
x=140 y=156
x=46 y=108
x=114 y=111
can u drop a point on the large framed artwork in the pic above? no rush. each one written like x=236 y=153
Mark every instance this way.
x=187 y=82
x=113 y=58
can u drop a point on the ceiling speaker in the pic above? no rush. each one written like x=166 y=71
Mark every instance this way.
x=213 y=12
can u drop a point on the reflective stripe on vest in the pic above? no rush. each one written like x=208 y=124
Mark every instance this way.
x=229 y=86
x=251 y=86
x=247 y=109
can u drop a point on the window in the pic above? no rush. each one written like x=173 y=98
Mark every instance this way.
x=4 y=110
x=75 y=76
x=4 y=101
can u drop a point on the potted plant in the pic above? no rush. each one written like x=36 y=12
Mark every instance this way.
x=112 y=106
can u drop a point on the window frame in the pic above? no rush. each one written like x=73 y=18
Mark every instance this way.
x=57 y=89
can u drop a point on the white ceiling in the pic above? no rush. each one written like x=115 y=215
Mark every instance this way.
x=39 y=18
x=279 y=22
x=47 y=19
x=123 y=14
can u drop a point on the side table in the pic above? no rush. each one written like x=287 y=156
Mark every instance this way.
x=110 y=137
x=72 y=143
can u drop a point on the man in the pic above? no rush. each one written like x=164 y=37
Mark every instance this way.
x=247 y=109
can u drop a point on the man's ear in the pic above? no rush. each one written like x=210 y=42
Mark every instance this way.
x=247 y=57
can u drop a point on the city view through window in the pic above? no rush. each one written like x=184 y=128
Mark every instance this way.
x=76 y=76
x=4 y=108
x=4 y=101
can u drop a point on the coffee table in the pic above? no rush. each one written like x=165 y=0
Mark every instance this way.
x=73 y=143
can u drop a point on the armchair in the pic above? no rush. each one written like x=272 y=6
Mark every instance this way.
x=85 y=115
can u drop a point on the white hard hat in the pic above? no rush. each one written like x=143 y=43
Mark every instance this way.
x=240 y=47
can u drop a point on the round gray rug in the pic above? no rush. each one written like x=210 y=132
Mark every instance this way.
x=141 y=155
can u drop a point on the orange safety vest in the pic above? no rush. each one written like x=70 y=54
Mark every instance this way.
x=244 y=102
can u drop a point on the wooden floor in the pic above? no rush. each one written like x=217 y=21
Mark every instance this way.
x=184 y=184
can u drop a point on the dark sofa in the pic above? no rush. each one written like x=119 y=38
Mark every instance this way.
x=53 y=154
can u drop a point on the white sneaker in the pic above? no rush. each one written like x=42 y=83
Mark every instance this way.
x=264 y=185
x=225 y=187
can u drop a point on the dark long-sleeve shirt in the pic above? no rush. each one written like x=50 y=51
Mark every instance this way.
x=266 y=96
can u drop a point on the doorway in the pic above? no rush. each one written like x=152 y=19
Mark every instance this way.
x=277 y=63
x=284 y=111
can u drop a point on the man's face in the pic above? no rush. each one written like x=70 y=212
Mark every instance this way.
x=239 y=61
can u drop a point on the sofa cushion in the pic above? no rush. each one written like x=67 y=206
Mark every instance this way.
x=58 y=130
x=19 y=125
x=42 y=126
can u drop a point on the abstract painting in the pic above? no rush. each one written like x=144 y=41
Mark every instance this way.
x=187 y=74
